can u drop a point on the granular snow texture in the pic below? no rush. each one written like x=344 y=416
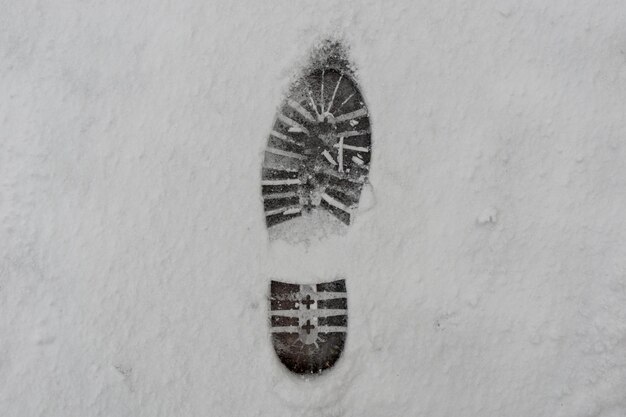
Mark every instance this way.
x=486 y=269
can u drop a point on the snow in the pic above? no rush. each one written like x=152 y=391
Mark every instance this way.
x=486 y=270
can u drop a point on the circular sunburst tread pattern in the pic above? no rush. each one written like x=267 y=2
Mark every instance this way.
x=318 y=152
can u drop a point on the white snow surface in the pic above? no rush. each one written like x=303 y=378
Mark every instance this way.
x=487 y=276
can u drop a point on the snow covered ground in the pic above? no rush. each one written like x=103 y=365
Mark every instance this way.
x=486 y=274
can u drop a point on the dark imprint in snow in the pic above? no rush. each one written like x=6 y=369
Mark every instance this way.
x=308 y=324
x=318 y=152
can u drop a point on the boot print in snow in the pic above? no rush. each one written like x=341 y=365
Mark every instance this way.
x=315 y=166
